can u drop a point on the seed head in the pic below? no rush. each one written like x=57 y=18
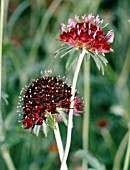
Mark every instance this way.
x=44 y=98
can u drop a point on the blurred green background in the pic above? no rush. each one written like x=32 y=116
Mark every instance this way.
x=31 y=29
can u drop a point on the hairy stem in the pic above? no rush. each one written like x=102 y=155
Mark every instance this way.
x=59 y=144
x=127 y=158
x=86 y=108
x=70 y=121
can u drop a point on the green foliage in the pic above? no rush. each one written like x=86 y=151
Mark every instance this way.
x=92 y=161
x=31 y=30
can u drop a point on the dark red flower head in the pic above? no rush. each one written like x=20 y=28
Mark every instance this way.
x=87 y=33
x=44 y=97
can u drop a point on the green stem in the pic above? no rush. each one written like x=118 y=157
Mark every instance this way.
x=1 y=38
x=5 y=153
x=59 y=143
x=108 y=140
x=70 y=120
x=8 y=160
x=127 y=158
x=119 y=153
x=86 y=108
x=125 y=70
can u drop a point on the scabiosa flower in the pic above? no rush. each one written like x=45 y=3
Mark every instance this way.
x=86 y=33
x=43 y=100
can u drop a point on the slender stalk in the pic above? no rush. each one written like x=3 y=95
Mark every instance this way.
x=86 y=109
x=125 y=70
x=1 y=37
x=108 y=140
x=70 y=120
x=127 y=158
x=59 y=143
x=119 y=153
x=5 y=153
x=8 y=160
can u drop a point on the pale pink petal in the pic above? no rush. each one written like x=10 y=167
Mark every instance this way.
x=71 y=23
x=77 y=112
x=84 y=18
x=90 y=17
x=97 y=19
x=63 y=27
x=77 y=18
x=77 y=101
x=110 y=36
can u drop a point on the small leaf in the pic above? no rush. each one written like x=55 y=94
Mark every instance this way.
x=70 y=62
x=93 y=162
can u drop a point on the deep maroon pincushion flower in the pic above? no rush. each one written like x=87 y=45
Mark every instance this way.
x=87 y=33
x=44 y=98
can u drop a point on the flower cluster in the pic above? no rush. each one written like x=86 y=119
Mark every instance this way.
x=45 y=97
x=87 y=33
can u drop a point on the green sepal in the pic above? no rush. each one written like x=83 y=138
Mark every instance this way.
x=51 y=121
